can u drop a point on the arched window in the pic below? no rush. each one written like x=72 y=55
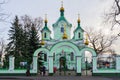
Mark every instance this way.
x=45 y=57
x=72 y=56
x=79 y=35
x=53 y=56
x=45 y=35
x=62 y=29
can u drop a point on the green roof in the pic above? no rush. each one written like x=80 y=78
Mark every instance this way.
x=60 y=19
x=46 y=29
x=78 y=28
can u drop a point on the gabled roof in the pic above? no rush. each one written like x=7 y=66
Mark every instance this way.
x=78 y=28
x=46 y=29
x=62 y=18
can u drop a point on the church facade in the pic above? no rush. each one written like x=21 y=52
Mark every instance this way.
x=62 y=51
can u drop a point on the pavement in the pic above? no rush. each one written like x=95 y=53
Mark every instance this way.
x=39 y=77
x=63 y=76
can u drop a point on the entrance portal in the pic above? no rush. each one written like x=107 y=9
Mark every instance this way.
x=87 y=63
x=62 y=62
x=86 y=66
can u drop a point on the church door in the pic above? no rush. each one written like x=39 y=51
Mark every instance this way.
x=63 y=66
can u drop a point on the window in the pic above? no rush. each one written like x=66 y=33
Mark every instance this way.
x=45 y=35
x=72 y=56
x=62 y=29
x=45 y=57
x=53 y=56
x=79 y=35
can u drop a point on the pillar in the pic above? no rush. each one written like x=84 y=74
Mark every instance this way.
x=35 y=64
x=94 y=66
x=117 y=62
x=50 y=66
x=11 y=63
x=78 y=65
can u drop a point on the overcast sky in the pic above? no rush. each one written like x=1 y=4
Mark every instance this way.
x=91 y=12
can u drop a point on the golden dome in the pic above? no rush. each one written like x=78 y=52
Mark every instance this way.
x=46 y=18
x=46 y=21
x=42 y=42
x=78 y=20
x=62 y=8
x=64 y=36
x=86 y=40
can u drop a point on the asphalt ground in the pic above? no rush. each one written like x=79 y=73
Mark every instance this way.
x=58 y=78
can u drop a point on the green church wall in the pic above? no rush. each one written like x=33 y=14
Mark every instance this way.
x=47 y=35
x=77 y=35
x=57 y=30
x=69 y=46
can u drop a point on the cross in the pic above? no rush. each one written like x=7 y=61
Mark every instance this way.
x=78 y=15
x=62 y=3
x=45 y=16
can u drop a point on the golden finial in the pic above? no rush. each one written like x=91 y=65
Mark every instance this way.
x=78 y=18
x=62 y=8
x=64 y=34
x=86 y=40
x=46 y=18
x=42 y=41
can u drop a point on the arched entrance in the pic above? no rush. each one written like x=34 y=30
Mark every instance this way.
x=40 y=51
x=89 y=61
x=69 y=52
x=62 y=64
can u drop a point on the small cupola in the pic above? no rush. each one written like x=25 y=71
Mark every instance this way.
x=62 y=9
x=78 y=32
x=45 y=31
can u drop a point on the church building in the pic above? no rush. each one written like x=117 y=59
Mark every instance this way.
x=62 y=51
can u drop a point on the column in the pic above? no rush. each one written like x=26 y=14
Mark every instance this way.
x=78 y=65
x=50 y=65
x=94 y=66
x=11 y=63
x=35 y=64
x=117 y=62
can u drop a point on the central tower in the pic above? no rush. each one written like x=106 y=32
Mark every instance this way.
x=61 y=26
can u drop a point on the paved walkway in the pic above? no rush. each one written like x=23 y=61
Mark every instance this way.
x=57 y=78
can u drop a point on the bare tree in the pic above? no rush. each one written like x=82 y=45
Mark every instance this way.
x=113 y=15
x=28 y=22
x=3 y=15
x=2 y=47
x=100 y=42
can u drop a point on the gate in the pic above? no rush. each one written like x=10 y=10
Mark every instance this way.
x=86 y=66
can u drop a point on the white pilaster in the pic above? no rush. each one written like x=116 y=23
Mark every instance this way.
x=11 y=63
x=118 y=62
x=94 y=63
x=35 y=63
x=50 y=64
x=78 y=64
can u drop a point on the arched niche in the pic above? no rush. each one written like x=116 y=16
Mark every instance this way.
x=35 y=57
x=65 y=43
x=94 y=56
x=71 y=46
x=88 y=49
